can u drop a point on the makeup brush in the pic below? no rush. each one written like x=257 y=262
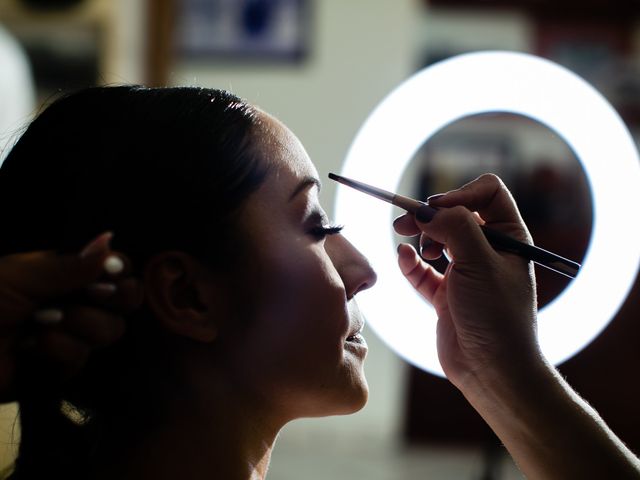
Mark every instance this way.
x=498 y=240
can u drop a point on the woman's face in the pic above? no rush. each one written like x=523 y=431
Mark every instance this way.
x=300 y=351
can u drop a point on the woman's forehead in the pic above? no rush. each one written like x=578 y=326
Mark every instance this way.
x=290 y=176
x=287 y=157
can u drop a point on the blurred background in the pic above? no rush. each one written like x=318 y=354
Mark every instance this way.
x=321 y=66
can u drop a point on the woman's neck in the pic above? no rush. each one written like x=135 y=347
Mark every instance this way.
x=218 y=435
x=221 y=446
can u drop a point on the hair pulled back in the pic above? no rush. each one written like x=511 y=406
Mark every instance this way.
x=164 y=169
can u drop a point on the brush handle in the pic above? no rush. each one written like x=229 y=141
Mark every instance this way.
x=498 y=240
x=502 y=241
x=547 y=259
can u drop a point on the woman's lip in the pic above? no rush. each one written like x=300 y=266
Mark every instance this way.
x=357 y=344
x=357 y=338
x=356 y=330
x=356 y=320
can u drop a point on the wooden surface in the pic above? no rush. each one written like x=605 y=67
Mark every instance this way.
x=161 y=16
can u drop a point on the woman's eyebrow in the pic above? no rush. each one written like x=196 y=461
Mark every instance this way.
x=304 y=184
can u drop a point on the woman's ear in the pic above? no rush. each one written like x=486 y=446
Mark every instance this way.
x=184 y=296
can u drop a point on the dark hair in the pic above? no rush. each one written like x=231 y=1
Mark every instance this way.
x=164 y=169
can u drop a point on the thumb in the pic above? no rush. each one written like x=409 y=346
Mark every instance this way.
x=47 y=274
x=458 y=229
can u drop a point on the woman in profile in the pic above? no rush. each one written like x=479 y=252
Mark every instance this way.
x=247 y=316
x=249 y=319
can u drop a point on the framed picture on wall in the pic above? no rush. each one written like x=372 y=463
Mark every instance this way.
x=243 y=29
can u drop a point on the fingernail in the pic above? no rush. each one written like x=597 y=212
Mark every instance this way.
x=98 y=245
x=103 y=289
x=48 y=316
x=113 y=265
x=436 y=197
x=424 y=245
x=425 y=213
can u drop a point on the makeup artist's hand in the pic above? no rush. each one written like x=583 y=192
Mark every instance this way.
x=54 y=309
x=485 y=301
x=487 y=339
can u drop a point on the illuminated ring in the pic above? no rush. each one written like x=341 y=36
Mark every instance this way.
x=496 y=82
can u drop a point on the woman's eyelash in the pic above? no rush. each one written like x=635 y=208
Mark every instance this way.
x=322 y=231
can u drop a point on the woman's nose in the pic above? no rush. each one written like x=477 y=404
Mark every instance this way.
x=353 y=267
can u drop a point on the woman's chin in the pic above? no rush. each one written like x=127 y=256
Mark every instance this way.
x=354 y=399
x=343 y=401
x=361 y=401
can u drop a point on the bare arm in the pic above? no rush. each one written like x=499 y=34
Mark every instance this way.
x=548 y=429
x=487 y=340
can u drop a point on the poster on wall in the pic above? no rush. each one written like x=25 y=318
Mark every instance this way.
x=243 y=29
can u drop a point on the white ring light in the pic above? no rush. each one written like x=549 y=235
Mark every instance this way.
x=496 y=82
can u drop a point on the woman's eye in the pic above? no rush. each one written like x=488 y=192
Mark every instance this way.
x=320 y=232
